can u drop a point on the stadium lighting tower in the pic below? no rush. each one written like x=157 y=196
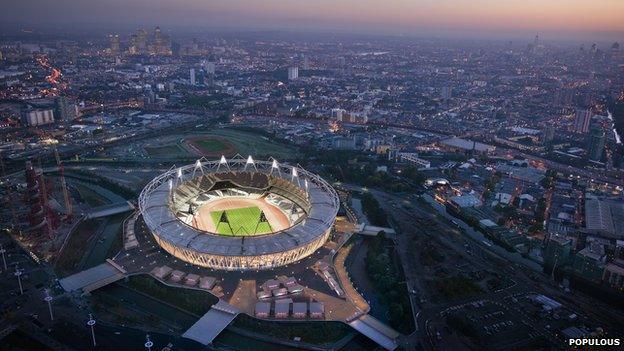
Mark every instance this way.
x=18 y=273
x=198 y=165
x=250 y=161
x=3 y=251
x=48 y=299
x=91 y=323
x=148 y=343
x=274 y=166
x=223 y=162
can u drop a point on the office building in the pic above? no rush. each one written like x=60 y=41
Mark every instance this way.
x=293 y=73
x=114 y=44
x=595 y=144
x=446 y=92
x=192 y=76
x=65 y=110
x=558 y=252
x=338 y=114
x=581 y=122
x=38 y=117
x=210 y=67
x=548 y=134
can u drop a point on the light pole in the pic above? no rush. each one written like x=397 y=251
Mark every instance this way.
x=18 y=273
x=3 y=251
x=91 y=323
x=148 y=343
x=48 y=299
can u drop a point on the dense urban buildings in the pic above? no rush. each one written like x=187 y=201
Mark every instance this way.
x=173 y=187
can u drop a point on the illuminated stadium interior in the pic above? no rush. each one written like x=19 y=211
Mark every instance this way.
x=239 y=214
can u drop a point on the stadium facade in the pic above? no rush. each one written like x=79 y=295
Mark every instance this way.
x=170 y=202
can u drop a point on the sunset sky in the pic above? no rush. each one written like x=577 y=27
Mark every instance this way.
x=367 y=16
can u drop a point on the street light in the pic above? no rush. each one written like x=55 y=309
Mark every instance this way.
x=91 y=323
x=18 y=273
x=148 y=343
x=48 y=299
x=2 y=251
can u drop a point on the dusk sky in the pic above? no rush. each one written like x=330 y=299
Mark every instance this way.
x=565 y=17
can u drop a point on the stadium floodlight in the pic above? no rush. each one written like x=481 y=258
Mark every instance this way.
x=250 y=161
x=275 y=165
x=198 y=165
x=223 y=162
x=295 y=174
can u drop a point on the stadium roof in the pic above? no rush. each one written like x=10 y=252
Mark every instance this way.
x=154 y=204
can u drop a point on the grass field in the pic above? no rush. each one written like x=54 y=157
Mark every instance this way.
x=171 y=150
x=248 y=143
x=243 y=221
x=213 y=145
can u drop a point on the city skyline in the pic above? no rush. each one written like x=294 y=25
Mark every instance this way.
x=311 y=175
x=555 y=19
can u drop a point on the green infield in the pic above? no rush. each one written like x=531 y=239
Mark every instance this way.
x=243 y=221
x=213 y=145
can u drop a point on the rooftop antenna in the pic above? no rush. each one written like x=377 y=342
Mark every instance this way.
x=91 y=323
x=48 y=299
x=61 y=169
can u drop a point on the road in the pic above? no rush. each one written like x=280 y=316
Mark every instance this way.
x=412 y=219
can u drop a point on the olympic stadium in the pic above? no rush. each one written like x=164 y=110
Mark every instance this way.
x=239 y=214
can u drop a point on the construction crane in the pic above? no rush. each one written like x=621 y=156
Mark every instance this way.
x=68 y=205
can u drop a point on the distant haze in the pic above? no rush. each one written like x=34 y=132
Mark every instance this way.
x=558 y=18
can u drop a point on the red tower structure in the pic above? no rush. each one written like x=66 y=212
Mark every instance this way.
x=41 y=218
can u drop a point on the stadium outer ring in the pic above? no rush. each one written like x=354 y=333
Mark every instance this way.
x=239 y=253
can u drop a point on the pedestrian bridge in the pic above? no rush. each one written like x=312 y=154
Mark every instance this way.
x=109 y=210
x=371 y=230
x=93 y=278
x=375 y=330
x=211 y=324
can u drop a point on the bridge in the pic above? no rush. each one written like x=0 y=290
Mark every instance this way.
x=375 y=330
x=371 y=230
x=93 y=278
x=211 y=324
x=109 y=210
